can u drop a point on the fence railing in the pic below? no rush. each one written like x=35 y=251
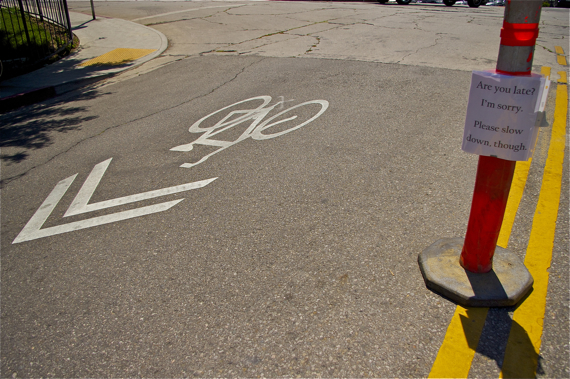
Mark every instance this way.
x=32 y=31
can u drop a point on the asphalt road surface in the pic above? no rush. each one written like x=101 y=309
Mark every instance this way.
x=253 y=202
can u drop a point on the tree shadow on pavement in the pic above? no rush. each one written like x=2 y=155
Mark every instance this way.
x=32 y=127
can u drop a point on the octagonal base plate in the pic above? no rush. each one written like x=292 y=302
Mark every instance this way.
x=505 y=285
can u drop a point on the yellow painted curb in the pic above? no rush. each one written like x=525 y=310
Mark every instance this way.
x=117 y=57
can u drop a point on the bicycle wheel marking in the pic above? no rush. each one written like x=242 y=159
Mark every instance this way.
x=254 y=130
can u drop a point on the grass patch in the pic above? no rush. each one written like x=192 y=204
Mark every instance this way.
x=27 y=40
x=13 y=36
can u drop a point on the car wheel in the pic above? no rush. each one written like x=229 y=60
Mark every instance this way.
x=403 y=2
x=449 y=3
x=475 y=3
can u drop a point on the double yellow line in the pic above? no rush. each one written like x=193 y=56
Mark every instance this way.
x=521 y=358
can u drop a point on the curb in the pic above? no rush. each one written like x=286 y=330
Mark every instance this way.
x=10 y=103
x=13 y=102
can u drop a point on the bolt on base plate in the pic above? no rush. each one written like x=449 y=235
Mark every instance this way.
x=505 y=285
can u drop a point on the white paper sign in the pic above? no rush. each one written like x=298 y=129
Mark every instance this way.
x=501 y=115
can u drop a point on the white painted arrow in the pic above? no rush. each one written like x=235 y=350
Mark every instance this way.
x=33 y=230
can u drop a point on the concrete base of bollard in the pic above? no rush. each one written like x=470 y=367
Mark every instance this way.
x=505 y=285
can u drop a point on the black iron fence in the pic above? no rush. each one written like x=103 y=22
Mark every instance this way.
x=32 y=31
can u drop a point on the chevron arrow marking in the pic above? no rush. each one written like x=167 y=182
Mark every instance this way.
x=80 y=205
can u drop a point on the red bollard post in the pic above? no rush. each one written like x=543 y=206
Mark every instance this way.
x=494 y=175
x=462 y=269
x=492 y=186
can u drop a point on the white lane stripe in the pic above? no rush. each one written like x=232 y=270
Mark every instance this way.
x=186 y=10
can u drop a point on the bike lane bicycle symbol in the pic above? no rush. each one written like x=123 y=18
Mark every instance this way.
x=258 y=130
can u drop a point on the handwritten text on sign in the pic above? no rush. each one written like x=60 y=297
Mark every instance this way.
x=501 y=115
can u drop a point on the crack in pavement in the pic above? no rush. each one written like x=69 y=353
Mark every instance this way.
x=315 y=45
x=282 y=32
x=189 y=18
x=5 y=182
x=354 y=15
x=230 y=48
x=171 y=22
x=438 y=37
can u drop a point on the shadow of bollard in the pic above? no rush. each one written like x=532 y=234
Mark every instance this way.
x=499 y=328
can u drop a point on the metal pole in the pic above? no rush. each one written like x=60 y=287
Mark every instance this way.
x=24 y=21
x=494 y=175
x=40 y=13
x=68 y=20
x=93 y=9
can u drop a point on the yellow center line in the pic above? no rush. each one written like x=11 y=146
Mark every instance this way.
x=464 y=331
x=521 y=359
x=560 y=57
x=462 y=337
x=515 y=195
x=563 y=77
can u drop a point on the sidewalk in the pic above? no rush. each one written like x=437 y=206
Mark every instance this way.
x=107 y=46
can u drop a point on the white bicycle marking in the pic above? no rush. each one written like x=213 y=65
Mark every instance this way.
x=33 y=230
x=80 y=204
x=254 y=130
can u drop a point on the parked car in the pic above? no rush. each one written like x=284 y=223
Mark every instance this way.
x=496 y=3
x=471 y=3
x=449 y=3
